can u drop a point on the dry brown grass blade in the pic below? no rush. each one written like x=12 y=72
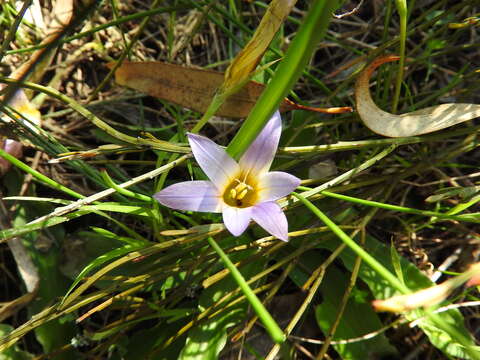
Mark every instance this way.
x=414 y=123
x=11 y=308
x=194 y=88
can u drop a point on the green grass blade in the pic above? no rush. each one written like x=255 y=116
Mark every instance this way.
x=271 y=325
x=310 y=33
x=387 y=275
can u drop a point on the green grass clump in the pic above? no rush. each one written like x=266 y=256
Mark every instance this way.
x=116 y=275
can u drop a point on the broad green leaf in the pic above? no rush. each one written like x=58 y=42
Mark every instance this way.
x=358 y=320
x=206 y=341
x=415 y=280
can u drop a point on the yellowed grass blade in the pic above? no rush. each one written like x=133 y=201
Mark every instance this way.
x=414 y=123
x=242 y=67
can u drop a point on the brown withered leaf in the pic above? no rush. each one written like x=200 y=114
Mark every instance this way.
x=194 y=88
x=414 y=123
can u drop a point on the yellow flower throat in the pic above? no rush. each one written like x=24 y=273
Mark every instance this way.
x=240 y=193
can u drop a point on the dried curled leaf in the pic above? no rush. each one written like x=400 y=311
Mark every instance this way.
x=414 y=123
x=194 y=88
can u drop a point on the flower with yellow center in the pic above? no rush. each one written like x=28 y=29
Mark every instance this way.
x=240 y=191
x=19 y=102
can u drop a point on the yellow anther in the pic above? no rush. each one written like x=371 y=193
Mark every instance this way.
x=240 y=187
x=242 y=194
x=238 y=192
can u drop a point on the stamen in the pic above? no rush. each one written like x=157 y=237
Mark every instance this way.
x=242 y=194
x=240 y=187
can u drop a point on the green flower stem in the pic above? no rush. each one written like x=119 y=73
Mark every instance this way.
x=272 y=327
x=39 y=176
x=217 y=101
x=348 y=174
x=396 y=207
x=310 y=33
x=402 y=12
x=108 y=180
x=360 y=144
x=366 y=257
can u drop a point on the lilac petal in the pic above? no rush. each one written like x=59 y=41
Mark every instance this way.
x=220 y=168
x=270 y=216
x=236 y=220
x=259 y=156
x=275 y=185
x=191 y=195
x=13 y=147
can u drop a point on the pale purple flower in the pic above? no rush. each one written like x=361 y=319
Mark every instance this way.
x=240 y=191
